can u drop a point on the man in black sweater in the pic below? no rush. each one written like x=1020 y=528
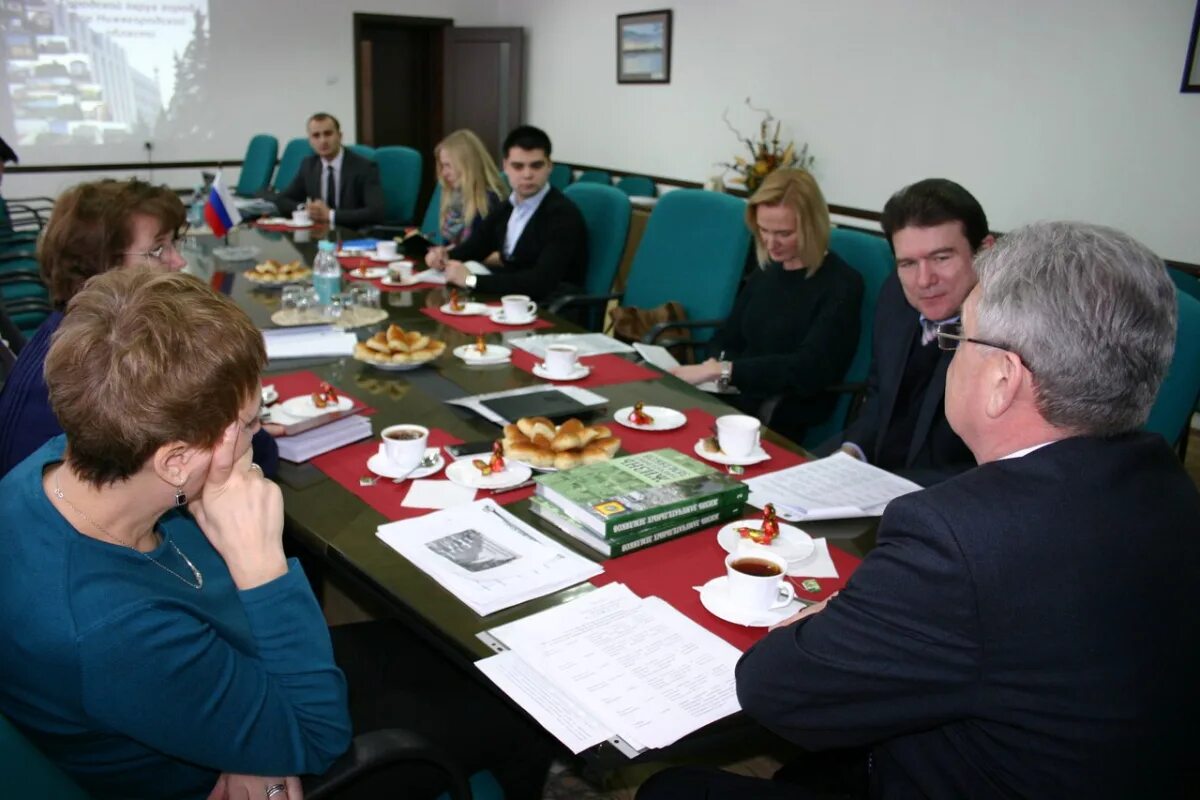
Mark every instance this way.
x=537 y=232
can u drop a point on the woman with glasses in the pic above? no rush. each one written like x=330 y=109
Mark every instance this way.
x=94 y=227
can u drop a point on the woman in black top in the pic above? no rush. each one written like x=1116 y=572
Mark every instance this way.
x=794 y=326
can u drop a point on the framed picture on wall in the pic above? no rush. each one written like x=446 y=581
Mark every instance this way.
x=1191 y=67
x=644 y=47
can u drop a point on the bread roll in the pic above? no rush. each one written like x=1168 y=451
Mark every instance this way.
x=593 y=453
x=565 y=440
x=542 y=442
x=513 y=434
x=378 y=342
x=567 y=459
x=609 y=444
x=522 y=451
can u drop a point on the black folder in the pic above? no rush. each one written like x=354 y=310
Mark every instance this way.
x=548 y=402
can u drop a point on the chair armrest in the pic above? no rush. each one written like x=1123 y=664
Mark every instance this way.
x=11 y=276
x=581 y=300
x=379 y=749
x=651 y=336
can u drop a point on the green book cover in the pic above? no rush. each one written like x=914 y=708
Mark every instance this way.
x=627 y=494
x=629 y=542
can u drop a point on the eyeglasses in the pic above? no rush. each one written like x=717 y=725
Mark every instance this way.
x=949 y=334
x=176 y=246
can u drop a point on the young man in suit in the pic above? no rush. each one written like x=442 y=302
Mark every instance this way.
x=936 y=228
x=538 y=233
x=1028 y=628
x=337 y=186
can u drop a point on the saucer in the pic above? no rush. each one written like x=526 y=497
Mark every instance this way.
x=465 y=473
x=368 y=273
x=411 y=280
x=303 y=407
x=467 y=310
x=665 y=419
x=713 y=597
x=792 y=543
x=378 y=259
x=496 y=354
x=496 y=315
x=757 y=455
x=381 y=466
x=580 y=371
x=269 y=394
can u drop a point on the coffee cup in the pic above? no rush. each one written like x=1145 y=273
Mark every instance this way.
x=518 y=306
x=560 y=360
x=404 y=445
x=756 y=580
x=738 y=434
x=301 y=216
x=400 y=270
x=385 y=249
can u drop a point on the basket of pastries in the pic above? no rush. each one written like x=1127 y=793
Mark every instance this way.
x=275 y=273
x=398 y=349
x=540 y=443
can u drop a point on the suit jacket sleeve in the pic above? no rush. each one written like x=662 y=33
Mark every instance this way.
x=563 y=238
x=898 y=650
x=295 y=194
x=365 y=190
x=485 y=238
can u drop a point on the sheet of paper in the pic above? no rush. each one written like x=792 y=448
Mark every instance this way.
x=588 y=344
x=836 y=487
x=476 y=268
x=308 y=340
x=555 y=710
x=431 y=276
x=437 y=494
x=657 y=355
x=643 y=669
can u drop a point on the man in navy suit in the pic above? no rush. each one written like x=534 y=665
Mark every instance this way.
x=1028 y=628
x=336 y=185
x=936 y=228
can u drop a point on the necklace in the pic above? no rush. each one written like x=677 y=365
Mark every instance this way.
x=58 y=492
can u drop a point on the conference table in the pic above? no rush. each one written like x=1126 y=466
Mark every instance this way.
x=337 y=529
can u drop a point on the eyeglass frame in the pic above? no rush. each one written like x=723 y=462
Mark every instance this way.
x=157 y=253
x=949 y=334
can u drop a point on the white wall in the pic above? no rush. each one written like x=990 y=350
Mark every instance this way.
x=1042 y=108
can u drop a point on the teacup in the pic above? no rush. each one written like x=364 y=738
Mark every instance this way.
x=400 y=270
x=756 y=580
x=385 y=249
x=404 y=445
x=301 y=216
x=737 y=434
x=518 y=307
x=560 y=360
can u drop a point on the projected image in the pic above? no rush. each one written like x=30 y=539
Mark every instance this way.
x=101 y=72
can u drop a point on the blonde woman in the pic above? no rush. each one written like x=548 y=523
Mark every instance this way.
x=794 y=326
x=470 y=182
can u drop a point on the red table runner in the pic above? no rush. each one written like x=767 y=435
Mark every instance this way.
x=267 y=226
x=670 y=570
x=383 y=287
x=294 y=384
x=347 y=465
x=606 y=369
x=479 y=323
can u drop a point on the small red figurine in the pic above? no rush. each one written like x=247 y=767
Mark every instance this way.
x=769 y=530
x=481 y=345
x=325 y=395
x=455 y=303
x=639 y=417
x=493 y=464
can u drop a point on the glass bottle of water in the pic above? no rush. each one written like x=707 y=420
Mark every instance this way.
x=327 y=274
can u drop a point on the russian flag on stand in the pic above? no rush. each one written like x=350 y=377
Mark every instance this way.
x=219 y=210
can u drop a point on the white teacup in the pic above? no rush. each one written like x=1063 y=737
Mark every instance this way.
x=404 y=445
x=737 y=434
x=518 y=307
x=385 y=249
x=756 y=581
x=301 y=216
x=560 y=359
x=400 y=270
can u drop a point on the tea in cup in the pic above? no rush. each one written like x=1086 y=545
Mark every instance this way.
x=385 y=249
x=560 y=360
x=518 y=307
x=738 y=435
x=404 y=445
x=756 y=580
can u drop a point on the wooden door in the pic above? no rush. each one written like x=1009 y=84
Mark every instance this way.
x=484 y=77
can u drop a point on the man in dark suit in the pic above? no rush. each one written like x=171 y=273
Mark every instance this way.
x=337 y=186
x=537 y=233
x=936 y=227
x=1028 y=628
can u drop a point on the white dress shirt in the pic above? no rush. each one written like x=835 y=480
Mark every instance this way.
x=523 y=211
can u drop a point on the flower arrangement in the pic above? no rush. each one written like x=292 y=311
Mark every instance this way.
x=766 y=155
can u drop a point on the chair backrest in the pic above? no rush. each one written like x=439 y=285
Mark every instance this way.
x=1185 y=281
x=872 y=257
x=400 y=174
x=258 y=165
x=594 y=176
x=430 y=227
x=366 y=151
x=692 y=251
x=560 y=176
x=28 y=772
x=606 y=215
x=637 y=186
x=289 y=163
x=1172 y=410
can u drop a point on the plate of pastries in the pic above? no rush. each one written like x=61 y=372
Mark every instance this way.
x=276 y=273
x=398 y=349
x=539 y=443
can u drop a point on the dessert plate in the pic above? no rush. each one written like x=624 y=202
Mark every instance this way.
x=464 y=473
x=665 y=419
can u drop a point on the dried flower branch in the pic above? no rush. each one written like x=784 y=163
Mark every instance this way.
x=765 y=153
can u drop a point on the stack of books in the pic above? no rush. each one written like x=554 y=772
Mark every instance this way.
x=618 y=506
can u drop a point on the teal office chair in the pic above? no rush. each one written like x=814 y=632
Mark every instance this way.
x=257 y=165
x=560 y=176
x=637 y=186
x=1185 y=281
x=430 y=228
x=366 y=151
x=605 y=212
x=872 y=257
x=400 y=174
x=289 y=163
x=1171 y=413
x=594 y=176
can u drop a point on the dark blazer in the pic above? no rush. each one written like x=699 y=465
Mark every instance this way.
x=360 y=194
x=550 y=257
x=935 y=452
x=1026 y=629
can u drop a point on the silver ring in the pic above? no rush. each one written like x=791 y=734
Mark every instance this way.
x=275 y=788
x=259 y=470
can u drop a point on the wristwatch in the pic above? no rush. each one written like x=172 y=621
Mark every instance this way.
x=471 y=280
x=726 y=374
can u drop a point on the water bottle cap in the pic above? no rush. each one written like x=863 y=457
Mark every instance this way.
x=325 y=246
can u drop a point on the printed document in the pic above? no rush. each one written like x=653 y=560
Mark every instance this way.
x=837 y=487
